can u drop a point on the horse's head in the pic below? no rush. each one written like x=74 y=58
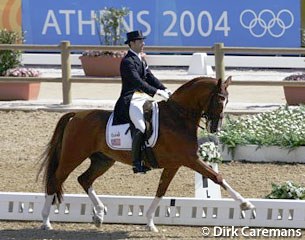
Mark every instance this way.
x=215 y=109
x=202 y=96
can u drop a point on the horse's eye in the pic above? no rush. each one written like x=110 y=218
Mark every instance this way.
x=222 y=98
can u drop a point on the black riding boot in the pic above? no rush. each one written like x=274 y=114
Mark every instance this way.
x=137 y=142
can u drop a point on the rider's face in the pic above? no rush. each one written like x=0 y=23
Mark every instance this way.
x=137 y=45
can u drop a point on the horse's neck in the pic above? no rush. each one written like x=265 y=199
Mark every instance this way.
x=180 y=119
x=187 y=110
x=187 y=102
x=194 y=93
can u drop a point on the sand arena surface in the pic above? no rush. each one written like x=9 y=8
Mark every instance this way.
x=24 y=136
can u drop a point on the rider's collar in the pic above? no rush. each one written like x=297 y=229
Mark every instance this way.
x=137 y=54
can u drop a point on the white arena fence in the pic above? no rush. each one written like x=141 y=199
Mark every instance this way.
x=182 y=60
x=171 y=211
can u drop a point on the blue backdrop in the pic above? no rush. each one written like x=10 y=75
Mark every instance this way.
x=261 y=23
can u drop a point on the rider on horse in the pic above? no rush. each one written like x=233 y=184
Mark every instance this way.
x=138 y=83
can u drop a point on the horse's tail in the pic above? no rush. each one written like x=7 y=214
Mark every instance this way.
x=51 y=156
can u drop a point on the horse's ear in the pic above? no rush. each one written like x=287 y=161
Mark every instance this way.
x=219 y=83
x=228 y=81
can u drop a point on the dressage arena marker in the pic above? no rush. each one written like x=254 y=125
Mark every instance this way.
x=205 y=188
x=171 y=211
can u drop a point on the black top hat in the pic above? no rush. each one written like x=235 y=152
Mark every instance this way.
x=135 y=35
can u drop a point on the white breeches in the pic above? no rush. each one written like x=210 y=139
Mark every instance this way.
x=136 y=112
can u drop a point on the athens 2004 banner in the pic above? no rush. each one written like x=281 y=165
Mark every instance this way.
x=261 y=23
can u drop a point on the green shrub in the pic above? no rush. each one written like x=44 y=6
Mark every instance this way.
x=111 y=20
x=9 y=58
x=288 y=190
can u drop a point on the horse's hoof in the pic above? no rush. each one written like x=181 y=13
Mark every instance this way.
x=97 y=221
x=246 y=206
x=98 y=216
x=152 y=228
x=46 y=227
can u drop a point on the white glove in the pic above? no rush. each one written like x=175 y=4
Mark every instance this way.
x=163 y=94
x=168 y=91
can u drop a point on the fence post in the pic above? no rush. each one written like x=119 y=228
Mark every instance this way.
x=66 y=72
x=219 y=61
x=302 y=23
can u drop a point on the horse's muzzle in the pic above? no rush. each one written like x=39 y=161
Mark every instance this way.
x=214 y=125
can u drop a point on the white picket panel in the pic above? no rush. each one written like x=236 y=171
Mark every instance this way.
x=171 y=211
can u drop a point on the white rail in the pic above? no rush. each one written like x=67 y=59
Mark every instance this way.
x=171 y=211
x=181 y=60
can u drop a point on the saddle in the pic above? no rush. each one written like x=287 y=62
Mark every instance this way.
x=118 y=137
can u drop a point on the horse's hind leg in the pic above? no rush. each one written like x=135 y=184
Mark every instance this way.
x=46 y=224
x=99 y=165
x=54 y=187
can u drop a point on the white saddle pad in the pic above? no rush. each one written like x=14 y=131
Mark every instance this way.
x=118 y=137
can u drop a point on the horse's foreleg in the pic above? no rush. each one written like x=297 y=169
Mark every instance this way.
x=205 y=170
x=165 y=179
x=244 y=203
x=46 y=225
x=150 y=214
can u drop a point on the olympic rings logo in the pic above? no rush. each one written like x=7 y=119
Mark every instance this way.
x=266 y=21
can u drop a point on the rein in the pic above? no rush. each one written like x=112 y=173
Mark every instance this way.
x=192 y=114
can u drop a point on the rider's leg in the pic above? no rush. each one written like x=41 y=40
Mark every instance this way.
x=137 y=142
x=137 y=118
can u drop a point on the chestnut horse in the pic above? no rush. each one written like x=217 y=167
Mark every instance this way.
x=81 y=135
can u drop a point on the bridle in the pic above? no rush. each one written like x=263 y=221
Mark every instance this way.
x=193 y=114
x=210 y=113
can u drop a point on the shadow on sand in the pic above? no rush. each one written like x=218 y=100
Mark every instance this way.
x=35 y=234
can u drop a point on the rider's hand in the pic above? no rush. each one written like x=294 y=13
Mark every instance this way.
x=168 y=91
x=163 y=94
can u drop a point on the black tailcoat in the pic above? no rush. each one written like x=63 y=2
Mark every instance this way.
x=135 y=77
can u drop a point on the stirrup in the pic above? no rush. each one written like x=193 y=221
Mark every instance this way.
x=137 y=170
x=140 y=169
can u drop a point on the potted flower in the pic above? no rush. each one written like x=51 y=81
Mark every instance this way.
x=208 y=151
x=106 y=63
x=20 y=91
x=295 y=95
x=11 y=67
